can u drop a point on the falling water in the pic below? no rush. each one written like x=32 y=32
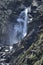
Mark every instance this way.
x=20 y=28
x=23 y=19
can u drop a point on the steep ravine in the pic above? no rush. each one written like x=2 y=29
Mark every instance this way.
x=30 y=53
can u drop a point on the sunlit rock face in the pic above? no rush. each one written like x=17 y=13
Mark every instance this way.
x=20 y=28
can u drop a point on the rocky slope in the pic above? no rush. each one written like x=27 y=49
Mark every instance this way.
x=32 y=55
x=30 y=50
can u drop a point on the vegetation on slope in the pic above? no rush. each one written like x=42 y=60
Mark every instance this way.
x=32 y=55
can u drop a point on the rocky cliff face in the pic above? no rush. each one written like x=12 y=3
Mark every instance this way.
x=31 y=47
x=29 y=51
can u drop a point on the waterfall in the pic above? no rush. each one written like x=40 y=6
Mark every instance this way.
x=20 y=28
x=23 y=19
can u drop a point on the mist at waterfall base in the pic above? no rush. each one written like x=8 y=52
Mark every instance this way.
x=20 y=28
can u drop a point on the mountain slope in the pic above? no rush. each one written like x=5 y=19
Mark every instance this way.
x=32 y=51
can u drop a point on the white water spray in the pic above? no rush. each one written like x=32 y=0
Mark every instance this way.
x=20 y=28
x=23 y=19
